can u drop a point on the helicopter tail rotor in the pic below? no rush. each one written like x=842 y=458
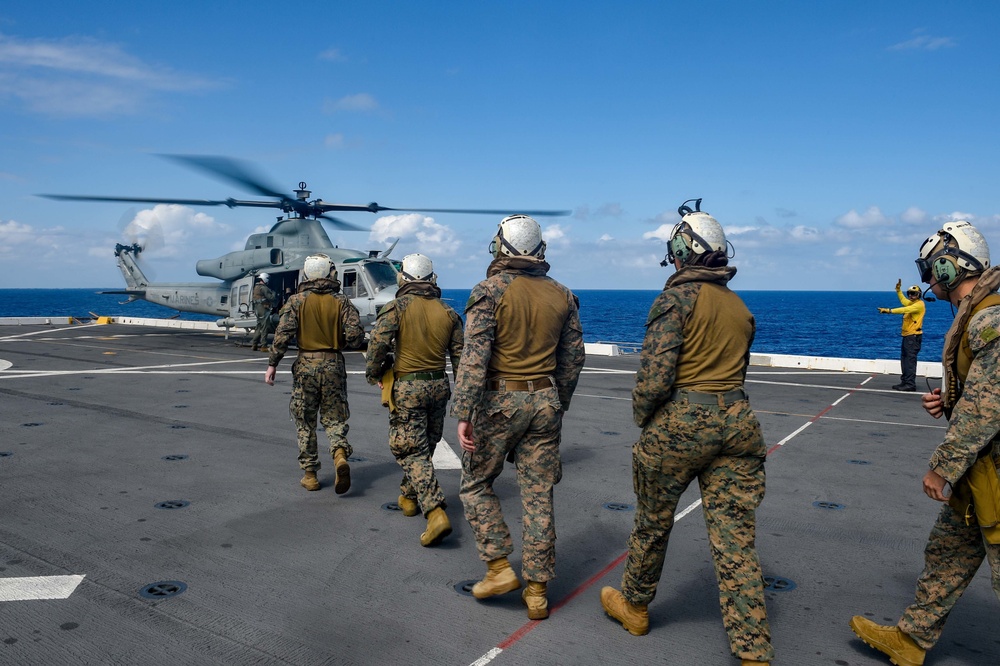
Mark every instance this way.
x=142 y=231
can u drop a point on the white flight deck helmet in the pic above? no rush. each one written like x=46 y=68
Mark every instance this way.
x=417 y=267
x=696 y=233
x=518 y=236
x=319 y=266
x=955 y=252
x=264 y=277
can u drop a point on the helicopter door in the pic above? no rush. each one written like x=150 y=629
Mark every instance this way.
x=240 y=308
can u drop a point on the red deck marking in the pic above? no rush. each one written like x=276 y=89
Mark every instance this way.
x=583 y=587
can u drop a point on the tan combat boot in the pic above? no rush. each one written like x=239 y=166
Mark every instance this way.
x=891 y=641
x=438 y=527
x=499 y=579
x=343 y=482
x=751 y=662
x=634 y=618
x=309 y=481
x=534 y=598
x=408 y=506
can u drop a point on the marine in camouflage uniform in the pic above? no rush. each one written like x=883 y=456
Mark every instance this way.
x=697 y=424
x=324 y=322
x=412 y=335
x=956 y=546
x=263 y=302
x=522 y=359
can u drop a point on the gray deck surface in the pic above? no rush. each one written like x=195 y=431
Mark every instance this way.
x=278 y=575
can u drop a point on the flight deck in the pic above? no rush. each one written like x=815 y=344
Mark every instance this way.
x=152 y=514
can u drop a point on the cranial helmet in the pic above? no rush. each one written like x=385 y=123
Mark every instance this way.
x=518 y=236
x=417 y=267
x=955 y=252
x=696 y=233
x=319 y=266
x=914 y=290
x=263 y=276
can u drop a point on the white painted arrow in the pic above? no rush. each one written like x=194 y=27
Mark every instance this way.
x=444 y=457
x=38 y=587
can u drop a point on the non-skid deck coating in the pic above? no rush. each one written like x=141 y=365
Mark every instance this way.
x=100 y=424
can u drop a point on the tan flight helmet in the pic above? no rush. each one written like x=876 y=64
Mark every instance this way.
x=518 y=236
x=318 y=266
x=416 y=268
x=957 y=251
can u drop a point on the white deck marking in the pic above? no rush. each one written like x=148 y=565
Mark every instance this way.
x=444 y=457
x=495 y=652
x=38 y=587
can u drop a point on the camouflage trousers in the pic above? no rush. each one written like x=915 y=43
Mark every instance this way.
x=415 y=428
x=530 y=425
x=319 y=388
x=953 y=554
x=723 y=448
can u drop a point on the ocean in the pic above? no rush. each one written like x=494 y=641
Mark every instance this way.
x=809 y=323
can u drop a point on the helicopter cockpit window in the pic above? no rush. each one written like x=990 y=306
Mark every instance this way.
x=381 y=274
x=353 y=286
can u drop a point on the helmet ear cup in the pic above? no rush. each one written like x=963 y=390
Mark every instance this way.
x=945 y=271
x=680 y=249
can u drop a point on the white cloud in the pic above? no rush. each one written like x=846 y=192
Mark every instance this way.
x=83 y=77
x=872 y=217
x=15 y=234
x=661 y=233
x=334 y=141
x=358 y=102
x=955 y=217
x=554 y=233
x=737 y=231
x=610 y=209
x=804 y=233
x=913 y=215
x=433 y=239
x=922 y=42
x=173 y=231
x=333 y=55
x=605 y=238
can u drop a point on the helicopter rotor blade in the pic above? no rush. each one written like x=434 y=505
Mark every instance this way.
x=229 y=169
x=376 y=208
x=342 y=224
x=185 y=202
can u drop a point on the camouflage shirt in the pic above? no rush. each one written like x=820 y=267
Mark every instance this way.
x=480 y=327
x=975 y=419
x=288 y=325
x=664 y=339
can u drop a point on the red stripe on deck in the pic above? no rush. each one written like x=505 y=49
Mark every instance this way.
x=531 y=624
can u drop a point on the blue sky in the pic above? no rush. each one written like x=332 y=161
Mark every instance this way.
x=829 y=138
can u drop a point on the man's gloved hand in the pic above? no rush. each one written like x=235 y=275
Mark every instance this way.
x=884 y=311
x=899 y=284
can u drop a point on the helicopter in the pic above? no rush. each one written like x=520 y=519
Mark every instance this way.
x=368 y=278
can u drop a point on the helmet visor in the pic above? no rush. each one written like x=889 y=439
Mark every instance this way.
x=924 y=268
